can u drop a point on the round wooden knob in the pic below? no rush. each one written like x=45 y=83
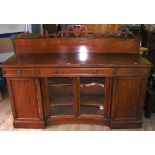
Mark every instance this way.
x=95 y=72
x=56 y=72
x=131 y=71
x=18 y=71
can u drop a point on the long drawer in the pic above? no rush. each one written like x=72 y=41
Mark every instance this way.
x=45 y=72
x=63 y=72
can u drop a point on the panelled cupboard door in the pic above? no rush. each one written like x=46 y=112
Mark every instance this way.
x=128 y=97
x=26 y=99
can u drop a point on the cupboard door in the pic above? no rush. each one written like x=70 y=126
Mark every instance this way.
x=129 y=94
x=26 y=102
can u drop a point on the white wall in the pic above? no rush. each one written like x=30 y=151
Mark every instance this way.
x=10 y=28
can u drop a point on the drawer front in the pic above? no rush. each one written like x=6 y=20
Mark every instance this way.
x=75 y=72
x=133 y=72
x=19 y=73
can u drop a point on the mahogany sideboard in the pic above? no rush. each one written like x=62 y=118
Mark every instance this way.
x=64 y=80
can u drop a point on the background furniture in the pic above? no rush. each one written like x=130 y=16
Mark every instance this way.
x=149 y=41
x=51 y=28
x=92 y=28
x=0 y=96
x=150 y=95
x=3 y=88
x=3 y=57
x=103 y=28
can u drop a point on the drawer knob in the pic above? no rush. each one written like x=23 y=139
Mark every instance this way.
x=131 y=71
x=55 y=72
x=95 y=72
x=18 y=71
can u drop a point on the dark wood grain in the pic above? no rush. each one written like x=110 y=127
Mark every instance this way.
x=26 y=102
x=78 y=120
x=116 y=60
x=108 y=97
x=74 y=60
x=74 y=45
x=128 y=100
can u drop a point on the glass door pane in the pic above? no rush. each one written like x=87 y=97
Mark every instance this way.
x=60 y=96
x=92 y=95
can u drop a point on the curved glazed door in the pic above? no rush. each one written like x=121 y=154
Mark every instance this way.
x=77 y=99
x=60 y=96
x=92 y=95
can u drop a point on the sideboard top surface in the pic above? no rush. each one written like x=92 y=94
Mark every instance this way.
x=77 y=52
x=77 y=60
